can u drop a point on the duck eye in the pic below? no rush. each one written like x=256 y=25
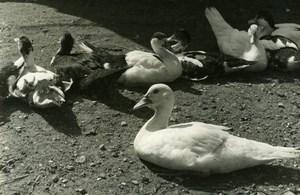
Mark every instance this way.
x=155 y=91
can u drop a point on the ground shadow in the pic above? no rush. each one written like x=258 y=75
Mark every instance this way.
x=259 y=175
x=61 y=119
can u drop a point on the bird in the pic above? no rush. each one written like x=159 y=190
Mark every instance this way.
x=93 y=70
x=195 y=146
x=29 y=83
x=265 y=21
x=148 y=68
x=200 y=65
x=236 y=43
x=283 y=54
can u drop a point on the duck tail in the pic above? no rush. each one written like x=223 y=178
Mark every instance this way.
x=216 y=21
x=285 y=152
x=87 y=47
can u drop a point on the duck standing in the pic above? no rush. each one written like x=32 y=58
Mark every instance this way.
x=234 y=42
x=196 y=146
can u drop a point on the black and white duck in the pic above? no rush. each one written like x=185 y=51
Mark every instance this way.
x=199 y=65
x=266 y=26
x=145 y=68
x=196 y=146
x=38 y=86
x=93 y=71
x=283 y=53
x=236 y=43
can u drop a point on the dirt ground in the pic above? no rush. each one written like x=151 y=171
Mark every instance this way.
x=85 y=147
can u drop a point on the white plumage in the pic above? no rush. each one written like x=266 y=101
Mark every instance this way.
x=197 y=146
x=236 y=43
x=150 y=68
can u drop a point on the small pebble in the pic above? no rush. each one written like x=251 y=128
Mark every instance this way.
x=135 y=182
x=2 y=123
x=70 y=167
x=92 y=164
x=102 y=147
x=55 y=179
x=113 y=154
x=80 y=159
x=280 y=105
x=123 y=124
x=102 y=176
x=81 y=191
x=123 y=184
x=64 y=181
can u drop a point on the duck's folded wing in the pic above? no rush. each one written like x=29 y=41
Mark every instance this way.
x=288 y=25
x=145 y=59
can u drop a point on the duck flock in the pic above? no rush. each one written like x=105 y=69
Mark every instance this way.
x=194 y=146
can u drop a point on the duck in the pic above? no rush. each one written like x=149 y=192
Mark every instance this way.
x=265 y=20
x=148 y=68
x=38 y=86
x=238 y=43
x=283 y=54
x=9 y=71
x=200 y=65
x=195 y=146
x=93 y=70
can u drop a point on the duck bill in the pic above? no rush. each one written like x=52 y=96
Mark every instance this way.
x=172 y=39
x=142 y=103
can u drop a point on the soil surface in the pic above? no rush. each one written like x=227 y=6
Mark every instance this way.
x=85 y=147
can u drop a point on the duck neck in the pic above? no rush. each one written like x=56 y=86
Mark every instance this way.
x=160 y=119
x=169 y=59
x=29 y=60
x=63 y=51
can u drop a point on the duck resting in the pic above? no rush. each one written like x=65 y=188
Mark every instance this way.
x=200 y=65
x=195 y=146
x=146 y=68
x=39 y=87
x=267 y=26
x=93 y=71
x=234 y=42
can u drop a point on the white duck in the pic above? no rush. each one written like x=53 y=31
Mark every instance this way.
x=197 y=146
x=236 y=43
x=267 y=26
x=42 y=88
x=149 y=68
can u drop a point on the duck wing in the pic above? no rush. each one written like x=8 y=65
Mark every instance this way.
x=145 y=59
x=100 y=80
x=231 y=41
x=101 y=55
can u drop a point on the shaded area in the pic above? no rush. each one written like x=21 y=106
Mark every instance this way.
x=61 y=119
x=260 y=175
x=138 y=20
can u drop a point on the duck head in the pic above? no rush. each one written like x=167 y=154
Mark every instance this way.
x=66 y=44
x=24 y=45
x=252 y=32
x=157 y=96
x=158 y=40
x=181 y=39
x=264 y=21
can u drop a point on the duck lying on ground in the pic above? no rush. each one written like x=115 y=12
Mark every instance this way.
x=283 y=54
x=199 y=65
x=145 y=68
x=92 y=71
x=267 y=26
x=197 y=146
x=234 y=42
x=36 y=85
